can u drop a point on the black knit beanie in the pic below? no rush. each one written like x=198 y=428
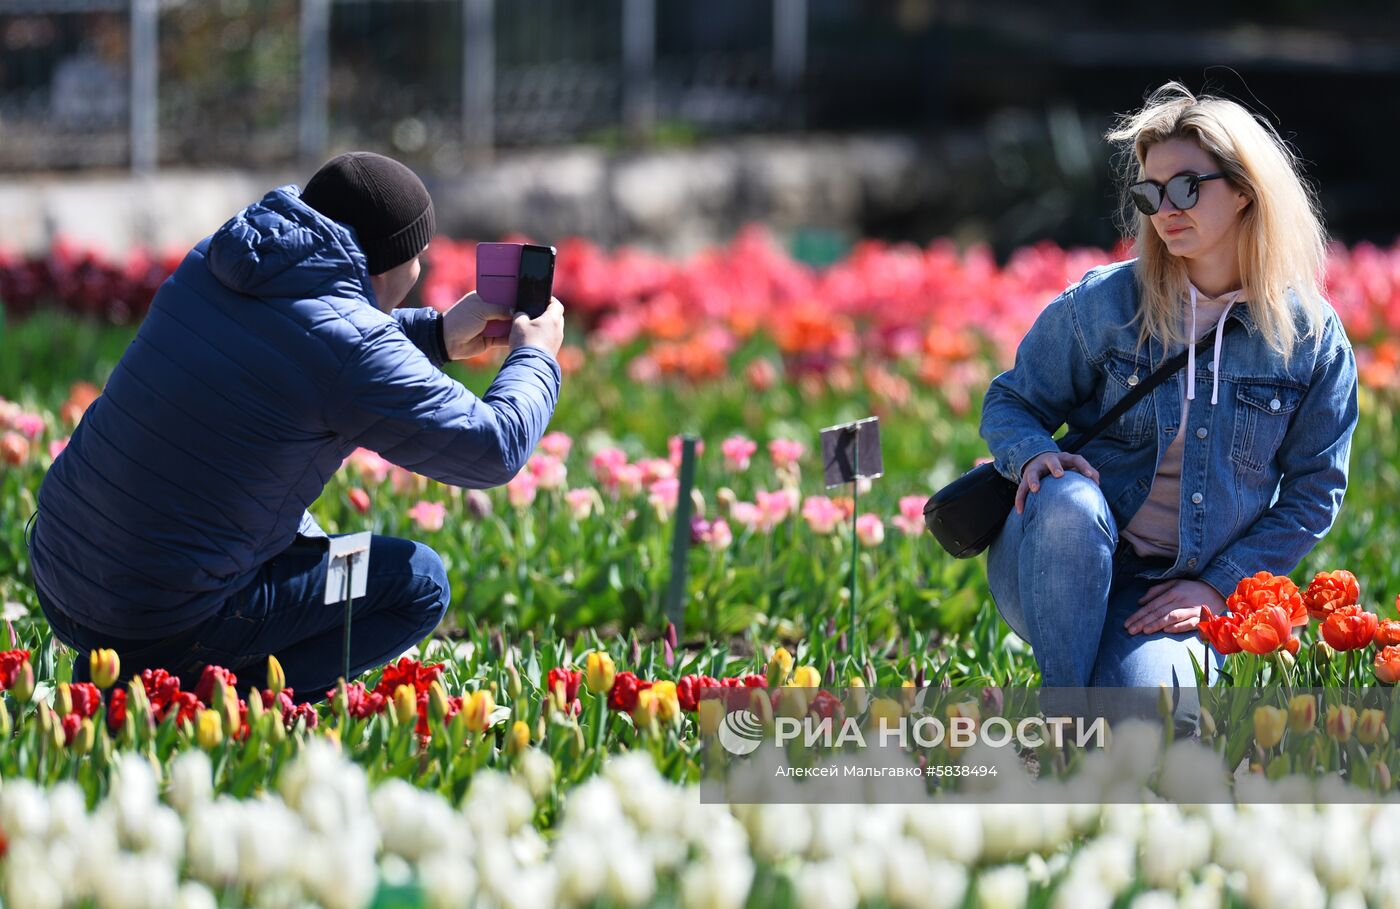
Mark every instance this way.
x=384 y=202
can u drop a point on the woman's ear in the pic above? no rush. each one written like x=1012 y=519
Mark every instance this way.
x=1242 y=202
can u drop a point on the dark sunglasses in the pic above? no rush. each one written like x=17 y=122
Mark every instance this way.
x=1184 y=190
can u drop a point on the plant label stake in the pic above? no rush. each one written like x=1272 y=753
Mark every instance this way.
x=680 y=540
x=347 y=575
x=851 y=452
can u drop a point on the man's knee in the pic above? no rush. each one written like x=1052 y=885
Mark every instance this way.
x=432 y=592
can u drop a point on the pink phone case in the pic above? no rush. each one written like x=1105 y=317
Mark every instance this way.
x=497 y=271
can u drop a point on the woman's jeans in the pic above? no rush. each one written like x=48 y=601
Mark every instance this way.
x=1065 y=583
x=282 y=612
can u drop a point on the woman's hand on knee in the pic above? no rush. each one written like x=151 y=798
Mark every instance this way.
x=1174 y=606
x=1054 y=463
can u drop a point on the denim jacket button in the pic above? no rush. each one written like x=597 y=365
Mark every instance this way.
x=1202 y=433
x=1190 y=563
x=1275 y=404
x=1133 y=379
x=1197 y=498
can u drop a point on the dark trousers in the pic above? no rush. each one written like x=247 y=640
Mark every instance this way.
x=282 y=612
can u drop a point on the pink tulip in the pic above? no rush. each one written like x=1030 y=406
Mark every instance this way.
x=359 y=499
x=785 y=452
x=719 y=536
x=773 y=508
x=56 y=447
x=627 y=480
x=371 y=467
x=428 y=515
x=821 y=514
x=737 y=451
x=663 y=495
x=606 y=463
x=521 y=490
x=549 y=472
x=746 y=514
x=14 y=448
x=910 y=519
x=582 y=501
x=870 y=530
x=654 y=469
x=557 y=444
x=673 y=447
x=30 y=424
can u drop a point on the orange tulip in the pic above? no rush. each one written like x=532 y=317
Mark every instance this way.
x=1349 y=628
x=1330 y=590
x=1264 y=630
x=1219 y=631
x=1388 y=664
x=1388 y=633
x=1265 y=590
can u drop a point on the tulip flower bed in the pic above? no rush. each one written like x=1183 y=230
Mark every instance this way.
x=543 y=748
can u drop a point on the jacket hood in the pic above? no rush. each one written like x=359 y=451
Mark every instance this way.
x=279 y=247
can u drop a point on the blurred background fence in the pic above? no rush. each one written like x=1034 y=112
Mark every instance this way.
x=257 y=85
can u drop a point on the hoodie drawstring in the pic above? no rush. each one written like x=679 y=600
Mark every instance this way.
x=1191 y=349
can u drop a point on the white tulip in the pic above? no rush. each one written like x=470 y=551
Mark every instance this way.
x=1191 y=772
x=538 y=770
x=1080 y=890
x=1172 y=846
x=497 y=806
x=865 y=866
x=825 y=885
x=953 y=832
x=191 y=780
x=534 y=888
x=1384 y=887
x=1153 y=899
x=195 y=896
x=1340 y=853
x=631 y=879
x=917 y=882
x=1006 y=887
x=28 y=880
x=24 y=810
x=1205 y=895
x=717 y=885
x=447 y=882
x=780 y=831
x=210 y=843
x=138 y=882
x=1283 y=884
x=1351 y=898
x=579 y=861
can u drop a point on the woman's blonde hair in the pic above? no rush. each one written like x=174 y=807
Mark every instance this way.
x=1282 y=243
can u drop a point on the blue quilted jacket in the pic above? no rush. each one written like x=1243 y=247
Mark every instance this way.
x=262 y=364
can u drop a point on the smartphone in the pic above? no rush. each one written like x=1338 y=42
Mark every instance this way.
x=517 y=275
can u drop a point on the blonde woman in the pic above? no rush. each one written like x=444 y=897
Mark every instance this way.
x=1234 y=465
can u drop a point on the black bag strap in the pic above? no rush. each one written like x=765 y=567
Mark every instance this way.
x=1137 y=394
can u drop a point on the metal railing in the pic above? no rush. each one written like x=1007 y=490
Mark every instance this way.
x=148 y=83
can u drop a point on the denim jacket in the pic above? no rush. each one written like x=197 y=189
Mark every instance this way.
x=1263 y=471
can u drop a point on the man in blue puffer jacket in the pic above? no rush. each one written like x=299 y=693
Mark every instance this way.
x=173 y=528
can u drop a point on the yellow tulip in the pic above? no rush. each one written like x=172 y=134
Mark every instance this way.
x=599 y=672
x=405 y=705
x=1302 y=713
x=519 y=738
x=886 y=713
x=644 y=715
x=276 y=678
x=711 y=712
x=857 y=699
x=209 y=729
x=23 y=688
x=63 y=699
x=779 y=667
x=792 y=702
x=1269 y=723
x=806 y=677
x=437 y=702
x=104 y=666
x=1340 y=722
x=1370 y=728
x=86 y=737
x=668 y=705
x=478 y=709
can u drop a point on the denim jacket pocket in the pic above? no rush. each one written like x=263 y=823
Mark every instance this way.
x=1263 y=411
x=1122 y=375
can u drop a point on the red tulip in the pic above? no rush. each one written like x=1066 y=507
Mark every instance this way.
x=1219 y=631
x=359 y=499
x=1330 y=590
x=1265 y=590
x=1264 y=630
x=1349 y=628
x=1388 y=664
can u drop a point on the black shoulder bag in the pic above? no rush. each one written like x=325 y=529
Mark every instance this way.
x=968 y=513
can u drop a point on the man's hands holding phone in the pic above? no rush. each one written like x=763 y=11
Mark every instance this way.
x=464 y=328
x=1054 y=463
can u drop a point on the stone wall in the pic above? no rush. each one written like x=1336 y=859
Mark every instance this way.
x=672 y=201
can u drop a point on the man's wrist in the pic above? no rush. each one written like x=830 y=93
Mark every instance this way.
x=442 y=338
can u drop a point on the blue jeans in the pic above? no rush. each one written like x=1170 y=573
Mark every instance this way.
x=1064 y=582
x=283 y=613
